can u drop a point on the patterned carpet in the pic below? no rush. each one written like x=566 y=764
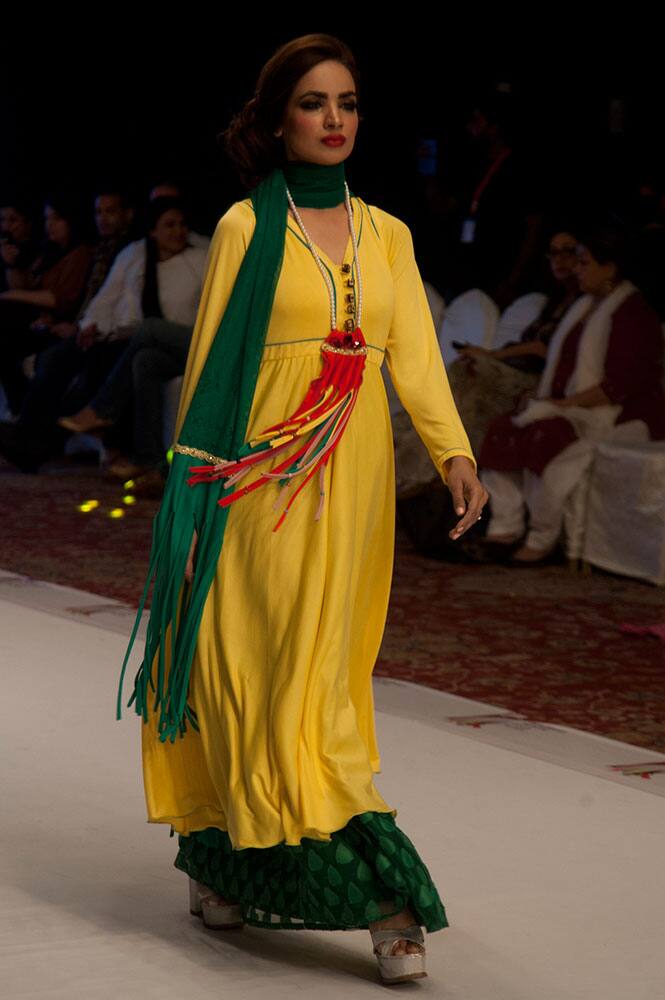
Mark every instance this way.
x=543 y=642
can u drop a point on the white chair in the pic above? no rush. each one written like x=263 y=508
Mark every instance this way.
x=627 y=475
x=517 y=317
x=472 y=318
x=630 y=435
x=625 y=516
x=575 y=515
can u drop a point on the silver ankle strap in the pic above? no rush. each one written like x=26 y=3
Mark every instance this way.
x=411 y=933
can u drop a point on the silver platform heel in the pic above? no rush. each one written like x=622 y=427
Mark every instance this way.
x=399 y=968
x=204 y=903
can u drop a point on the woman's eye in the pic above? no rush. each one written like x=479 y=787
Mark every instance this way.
x=309 y=105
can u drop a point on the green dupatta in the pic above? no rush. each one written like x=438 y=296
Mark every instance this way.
x=215 y=426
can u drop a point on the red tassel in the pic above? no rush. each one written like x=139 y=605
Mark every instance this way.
x=323 y=413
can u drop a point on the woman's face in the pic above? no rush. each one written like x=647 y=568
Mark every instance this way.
x=55 y=226
x=562 y=255
x=171 y=232
x=14 y=224
x=594 y=277
x=323 y=104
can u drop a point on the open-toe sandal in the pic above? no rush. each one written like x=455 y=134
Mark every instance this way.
x=399 y=968
x=205 y=903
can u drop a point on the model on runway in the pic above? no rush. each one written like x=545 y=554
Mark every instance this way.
x=273 y=545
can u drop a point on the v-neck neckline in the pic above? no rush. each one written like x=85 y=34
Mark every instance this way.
x=319 y=250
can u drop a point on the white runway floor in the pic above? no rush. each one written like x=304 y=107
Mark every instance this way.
x=547 y=845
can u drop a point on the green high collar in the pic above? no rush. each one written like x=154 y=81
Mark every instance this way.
x=315 y=185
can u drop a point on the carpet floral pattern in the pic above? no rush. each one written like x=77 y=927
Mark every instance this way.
x=543 y=642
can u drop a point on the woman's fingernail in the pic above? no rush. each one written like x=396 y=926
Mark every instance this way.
x=459 y=510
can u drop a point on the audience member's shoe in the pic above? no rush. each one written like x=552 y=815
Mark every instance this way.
x=491 y=549
x=84 y=421
x=150 y=485
x=526 y=556
x=502 y=539
x=124 y=468
x=22 y=448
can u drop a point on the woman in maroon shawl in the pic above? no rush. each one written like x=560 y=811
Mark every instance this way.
x=603 y=379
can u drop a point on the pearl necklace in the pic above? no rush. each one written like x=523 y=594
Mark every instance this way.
x=321 y=265
x=323 y=412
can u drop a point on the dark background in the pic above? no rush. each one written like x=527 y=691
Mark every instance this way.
x=85 y=104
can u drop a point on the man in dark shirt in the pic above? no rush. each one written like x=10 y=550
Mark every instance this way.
x=502 y=223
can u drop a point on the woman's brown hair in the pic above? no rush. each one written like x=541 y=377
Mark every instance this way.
x=249 y=140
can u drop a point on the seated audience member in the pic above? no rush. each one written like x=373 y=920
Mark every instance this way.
x=603 y=377
x=147 y=308
x=487 y=381
x=42 y=296
x=168 y=188
x=171 y=281
x=57 y=365
x=18 y=247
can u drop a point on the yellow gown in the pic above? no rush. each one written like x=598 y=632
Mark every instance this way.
x=281 y=679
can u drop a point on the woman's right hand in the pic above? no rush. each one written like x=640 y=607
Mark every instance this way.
x=189 y=568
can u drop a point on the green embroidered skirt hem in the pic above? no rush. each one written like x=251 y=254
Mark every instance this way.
x=335 y=884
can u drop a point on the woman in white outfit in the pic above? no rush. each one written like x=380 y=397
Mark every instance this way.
x=603 y=378
x=152 y=297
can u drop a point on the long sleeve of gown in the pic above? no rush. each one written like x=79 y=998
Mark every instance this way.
x=225 y=255
x=414 y=358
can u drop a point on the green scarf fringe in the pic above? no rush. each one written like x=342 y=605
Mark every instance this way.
x=176 y=602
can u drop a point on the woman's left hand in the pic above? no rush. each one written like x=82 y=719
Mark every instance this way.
x=466 y=491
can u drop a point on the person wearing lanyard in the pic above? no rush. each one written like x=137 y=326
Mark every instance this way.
x=501 y=231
